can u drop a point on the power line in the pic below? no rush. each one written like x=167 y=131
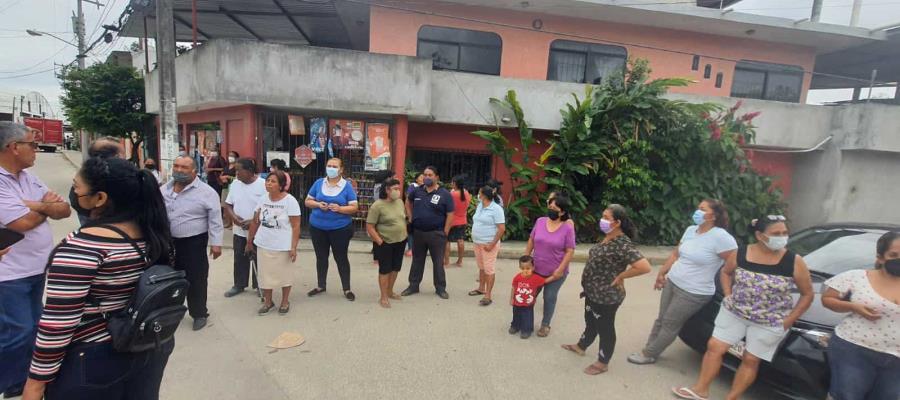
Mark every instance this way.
x=599 y=40
x=10 y=5
x=35 y=65
x=29 y=74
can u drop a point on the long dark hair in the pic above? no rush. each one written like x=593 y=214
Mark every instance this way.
x=460 y=182
x=488 y=192
x=564 y=204
x=133 y=195
x=621 y=214
x=721 y=213
x=495 y=184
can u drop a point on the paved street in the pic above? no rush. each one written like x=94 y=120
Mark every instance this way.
x=422 y=348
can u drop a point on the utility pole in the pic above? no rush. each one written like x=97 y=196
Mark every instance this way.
x=79 y=33
x=816 y=10
x=854 y=13
x=13 y=113
x=165 y=59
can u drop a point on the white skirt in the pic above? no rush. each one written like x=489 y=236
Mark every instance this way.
x=274 y=268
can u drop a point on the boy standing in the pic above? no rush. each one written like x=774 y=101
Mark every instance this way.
x=525 y=288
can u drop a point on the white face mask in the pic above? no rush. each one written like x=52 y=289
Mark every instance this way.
x=776 y=243
x=232 y=159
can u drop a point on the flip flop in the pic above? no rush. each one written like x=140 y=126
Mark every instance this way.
x=592 y=370
x=284 y=309
x=315 y=291
x=573 y=348
x=485 y=302
x=476 y=292
x=687 y=393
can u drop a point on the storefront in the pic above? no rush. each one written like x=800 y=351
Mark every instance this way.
x=305 y=142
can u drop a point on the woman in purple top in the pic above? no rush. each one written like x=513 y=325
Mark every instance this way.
x=552 y=245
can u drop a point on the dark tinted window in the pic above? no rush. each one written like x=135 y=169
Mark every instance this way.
x=580 y=62
x=766 y=81
x=460 y=49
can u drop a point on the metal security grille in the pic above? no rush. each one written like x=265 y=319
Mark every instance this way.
x=477 y=167
x=274 y=131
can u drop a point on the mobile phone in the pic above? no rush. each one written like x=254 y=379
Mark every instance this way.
x=9 y=237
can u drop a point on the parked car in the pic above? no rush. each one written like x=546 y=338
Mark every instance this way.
x=800 y=367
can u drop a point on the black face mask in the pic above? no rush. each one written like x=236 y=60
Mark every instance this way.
x=150 y=166
x=893 y=267
x=73 y=201
x=553 y=215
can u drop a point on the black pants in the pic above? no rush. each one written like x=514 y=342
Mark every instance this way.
x=389 y=256
x=332 y=242
x=600 y=320
x=97 y=371
x=425 y=242
x=523 y=319
x=191 y=257
x=242 y=263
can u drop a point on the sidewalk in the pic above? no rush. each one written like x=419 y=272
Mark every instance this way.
x=509 y=250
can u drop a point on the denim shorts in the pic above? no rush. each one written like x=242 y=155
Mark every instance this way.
x=859 y=373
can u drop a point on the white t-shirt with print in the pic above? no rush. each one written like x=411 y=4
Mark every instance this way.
x=882 y=335
x=275 y=231
x=699 y=261
x=244 y=199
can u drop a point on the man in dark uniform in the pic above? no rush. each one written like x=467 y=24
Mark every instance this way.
x=430 y=211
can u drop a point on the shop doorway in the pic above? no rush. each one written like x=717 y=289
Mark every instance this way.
x=282 y=133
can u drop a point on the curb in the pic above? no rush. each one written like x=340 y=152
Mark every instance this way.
x=69 y=160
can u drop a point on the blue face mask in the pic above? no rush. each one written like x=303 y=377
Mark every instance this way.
x=699 y=217
x=331 y=172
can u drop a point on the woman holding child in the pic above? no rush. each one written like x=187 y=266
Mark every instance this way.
x=603 y=282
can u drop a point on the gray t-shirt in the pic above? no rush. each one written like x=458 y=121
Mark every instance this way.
x=699 y=261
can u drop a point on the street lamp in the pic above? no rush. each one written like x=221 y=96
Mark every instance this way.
x=33 y=32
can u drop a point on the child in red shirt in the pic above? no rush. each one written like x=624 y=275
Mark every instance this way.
x=525 y=288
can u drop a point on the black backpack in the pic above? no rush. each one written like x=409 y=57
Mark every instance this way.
x=155 y=310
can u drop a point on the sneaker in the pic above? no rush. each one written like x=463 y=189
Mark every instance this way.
x=525 y=335
x=513 y=331
x=640 y=359
x=234 y=291
x=443 y=294
x=409 y=291
x=199 y=323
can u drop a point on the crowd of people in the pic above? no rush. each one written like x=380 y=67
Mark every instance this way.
x=55 y=299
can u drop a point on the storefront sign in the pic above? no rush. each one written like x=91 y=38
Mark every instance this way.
x=296 y=125
x=318 y=135
x=347 y=134
x=378 y=146
x=278 y=155
x=303 y=155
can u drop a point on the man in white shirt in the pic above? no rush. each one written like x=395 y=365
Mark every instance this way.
x=244 y=195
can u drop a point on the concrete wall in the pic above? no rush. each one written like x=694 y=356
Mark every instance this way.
x=232 y=72
x=526 y=52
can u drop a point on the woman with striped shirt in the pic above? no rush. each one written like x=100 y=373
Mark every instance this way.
x=92 y=272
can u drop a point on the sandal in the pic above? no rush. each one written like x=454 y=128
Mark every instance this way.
x=476 y=292
x=265 y=309
x=395 y=296
x=315 y=291
x=349 y=295
x=573 y=348
x=284 y=309
x=594 y=370
x=485 y=302
x=544 y=331
x=686 y=393
x=385 y=303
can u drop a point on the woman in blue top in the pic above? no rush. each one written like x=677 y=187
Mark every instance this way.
x=333 y=203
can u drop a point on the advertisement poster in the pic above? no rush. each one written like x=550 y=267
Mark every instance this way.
x=278 y=155
x=318 y=135
x=347 y=134
x=303 y=155
x=296 y=125
x=378 y=146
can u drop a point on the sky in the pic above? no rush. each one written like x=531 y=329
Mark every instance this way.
x=27 y=63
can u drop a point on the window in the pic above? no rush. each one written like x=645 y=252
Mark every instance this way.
x=460 y=49
x=766 y=81
x=719 y=78
x=584 y=62
x=695 y=63
x=707 y=71
x=477 y=167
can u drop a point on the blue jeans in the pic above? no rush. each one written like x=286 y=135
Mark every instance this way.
x=551 y=292
x=20 y=311
x=858 y=373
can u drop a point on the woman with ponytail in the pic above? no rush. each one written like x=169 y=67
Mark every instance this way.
x=92 y=272
x=609 y=264
x=461 y=199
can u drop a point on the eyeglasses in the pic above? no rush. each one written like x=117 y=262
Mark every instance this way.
x=776 y=218
x=33 y=144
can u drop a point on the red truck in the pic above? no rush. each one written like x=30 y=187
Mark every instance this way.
x=48 y=132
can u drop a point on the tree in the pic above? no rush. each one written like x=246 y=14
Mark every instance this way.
x=107 y=99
